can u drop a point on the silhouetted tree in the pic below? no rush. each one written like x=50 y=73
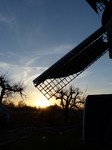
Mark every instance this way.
x=70 y=98
x=21 y=104
x=9 y=89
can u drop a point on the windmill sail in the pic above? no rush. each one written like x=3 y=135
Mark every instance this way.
x=82 y=60
x=98 y=5
x=72 y=64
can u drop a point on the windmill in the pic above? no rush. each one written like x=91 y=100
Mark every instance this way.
x=81 y=57
x=97 y=122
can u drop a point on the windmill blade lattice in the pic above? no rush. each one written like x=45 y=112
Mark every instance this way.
x=72 y=64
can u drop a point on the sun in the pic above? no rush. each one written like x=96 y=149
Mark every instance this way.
x=43 y=103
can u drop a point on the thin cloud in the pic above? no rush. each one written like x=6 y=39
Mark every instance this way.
x=19 y=72
x=56 y=50
x=11 y=54
x=61 y=49
x=5 y=19
x=38 y=58
x=31 y=61
x=4 y=55
x=110 y=83
x=4 y=65
x=84 y=74
x=10 y=19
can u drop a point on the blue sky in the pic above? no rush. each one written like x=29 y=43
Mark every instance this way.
x=34 y=34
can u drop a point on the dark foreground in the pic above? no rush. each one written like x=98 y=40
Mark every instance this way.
x=53 y=141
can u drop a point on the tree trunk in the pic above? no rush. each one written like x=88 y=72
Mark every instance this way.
x=66 y=111
x=2 y=94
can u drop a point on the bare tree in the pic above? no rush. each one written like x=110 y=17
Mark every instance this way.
x=70 y=98
x=9 y=89
x=21 y=104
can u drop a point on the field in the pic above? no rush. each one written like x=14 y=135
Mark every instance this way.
x=54 y=141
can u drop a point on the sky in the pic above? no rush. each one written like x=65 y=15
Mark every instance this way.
x=34 y=34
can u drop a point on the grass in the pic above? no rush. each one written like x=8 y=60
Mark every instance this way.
x=54 y=141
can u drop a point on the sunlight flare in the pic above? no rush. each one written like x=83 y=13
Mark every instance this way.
x=43 y=103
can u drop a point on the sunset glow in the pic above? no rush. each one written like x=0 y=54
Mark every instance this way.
x=43 y=103
x=35 y=35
